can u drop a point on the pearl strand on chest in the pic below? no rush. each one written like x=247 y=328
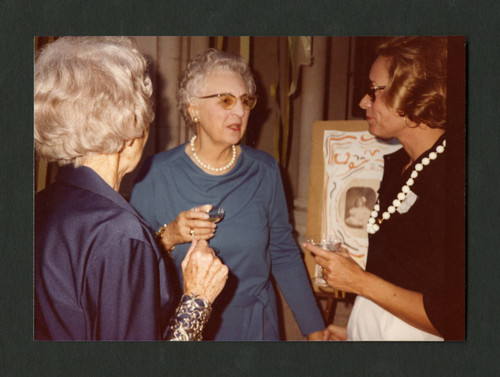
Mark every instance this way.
x=209 y=167
x=374 y=222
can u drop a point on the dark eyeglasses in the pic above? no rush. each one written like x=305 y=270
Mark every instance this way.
x=372 y=90
x=228 y=101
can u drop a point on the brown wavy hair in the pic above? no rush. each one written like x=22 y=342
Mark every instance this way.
x=417 y=78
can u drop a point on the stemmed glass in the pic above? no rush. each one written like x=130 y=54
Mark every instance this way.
x=216 y=214
x=329 y=242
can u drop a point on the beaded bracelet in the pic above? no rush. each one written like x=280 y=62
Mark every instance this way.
x=189 y=319
x=159 y=235
x=160 y=232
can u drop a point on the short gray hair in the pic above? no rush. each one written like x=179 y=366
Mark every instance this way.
x=200 y=67
x=91 y=95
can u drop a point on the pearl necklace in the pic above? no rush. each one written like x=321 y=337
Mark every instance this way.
x=208 y=167
x=373 y=224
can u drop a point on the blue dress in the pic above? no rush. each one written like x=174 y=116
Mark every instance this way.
x=254 y=239
x=98 y=272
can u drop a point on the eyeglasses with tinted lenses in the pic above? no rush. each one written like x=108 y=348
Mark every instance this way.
x=372 y=90
x=228 y=101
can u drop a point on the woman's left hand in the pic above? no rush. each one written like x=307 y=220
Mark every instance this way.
x=318 y=335
x=203 y=272
x=335 y=332
x=340 y=270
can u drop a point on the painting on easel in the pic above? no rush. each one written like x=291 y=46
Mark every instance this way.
x=346 y=169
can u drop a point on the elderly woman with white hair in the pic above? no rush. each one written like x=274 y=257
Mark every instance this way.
x=215 y=96
x=99 y=274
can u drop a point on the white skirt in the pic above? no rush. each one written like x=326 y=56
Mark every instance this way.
x=369 y=322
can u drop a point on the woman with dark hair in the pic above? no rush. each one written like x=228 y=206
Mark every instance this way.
x=215 y=96
x=99 y=274
x=414 y=285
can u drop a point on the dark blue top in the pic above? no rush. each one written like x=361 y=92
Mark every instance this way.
x=98 y=272
x=254 y=239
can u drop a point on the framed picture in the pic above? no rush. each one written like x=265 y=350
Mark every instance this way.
x=346 y=169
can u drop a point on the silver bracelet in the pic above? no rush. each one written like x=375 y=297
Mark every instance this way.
x=189 y=319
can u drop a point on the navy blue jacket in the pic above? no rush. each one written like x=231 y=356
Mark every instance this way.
x=98 y=272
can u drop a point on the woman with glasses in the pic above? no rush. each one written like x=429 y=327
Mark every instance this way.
x=99 y=274
x=254 y=239
x=414 y=285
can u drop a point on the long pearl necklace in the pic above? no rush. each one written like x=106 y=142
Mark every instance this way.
x=208 y=167
x=373 y=223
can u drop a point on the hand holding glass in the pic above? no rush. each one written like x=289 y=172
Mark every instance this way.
x=329 y=242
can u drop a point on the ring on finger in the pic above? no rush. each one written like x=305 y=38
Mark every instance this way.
x=191 y=232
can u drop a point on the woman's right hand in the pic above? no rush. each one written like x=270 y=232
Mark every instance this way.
x=189 y=225
x=203 y=272
x=339 y=270
x=335 y=332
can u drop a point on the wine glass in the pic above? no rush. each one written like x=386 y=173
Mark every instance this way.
x=216 y=214
x=329 y=242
